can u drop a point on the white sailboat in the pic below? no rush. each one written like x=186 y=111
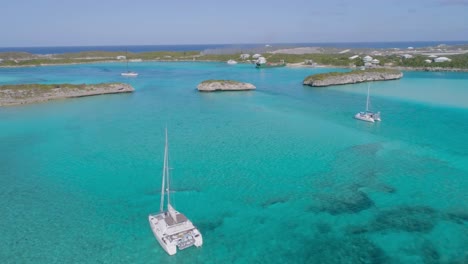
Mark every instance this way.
x=128 y=73
x=171 y=228
x=368 y=115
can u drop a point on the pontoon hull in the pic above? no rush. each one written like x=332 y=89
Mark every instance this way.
x=129 y=74
x=364 y=117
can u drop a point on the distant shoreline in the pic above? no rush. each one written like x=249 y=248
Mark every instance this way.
x=409 y=59
x=289 y=65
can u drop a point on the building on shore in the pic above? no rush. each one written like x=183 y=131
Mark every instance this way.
x=256 y=56
x=367 y=59
x=442 y=59
x=407 y=56
x=353 y=57
x=427 y=61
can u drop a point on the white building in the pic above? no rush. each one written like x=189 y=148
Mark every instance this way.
x=261 y=60
x=121 y=57
x=432 y=56
x=256 y=56
x=353 y=57
x=367 y=58
x=375 y=61
x=407 y=56
x=442 y=59
x=244 y=56
x=428 y=61
x=410 y=48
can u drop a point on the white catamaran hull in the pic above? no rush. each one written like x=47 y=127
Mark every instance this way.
x=171 y=249
x=180 y=235
x=129 y=74
x=364 y=117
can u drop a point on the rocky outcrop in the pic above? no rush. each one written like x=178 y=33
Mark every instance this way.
x=358 y=76
x=33 y=93
x=224 y=85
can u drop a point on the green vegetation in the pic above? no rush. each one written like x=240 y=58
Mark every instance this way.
x=39 y=86
x=15 y=55
x=223 y=81
x=458 y=61
x=31 y=93
x=47 y=87
x=323 y=76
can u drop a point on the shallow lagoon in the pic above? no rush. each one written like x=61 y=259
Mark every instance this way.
x=280 y=174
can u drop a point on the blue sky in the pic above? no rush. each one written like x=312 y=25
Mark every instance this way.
x=153 y=22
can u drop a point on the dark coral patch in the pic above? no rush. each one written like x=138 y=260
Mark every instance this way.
x=347 y=250
x=409 y=219
x=350 y=202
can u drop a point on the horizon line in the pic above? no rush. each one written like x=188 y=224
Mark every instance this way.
x=258 y=43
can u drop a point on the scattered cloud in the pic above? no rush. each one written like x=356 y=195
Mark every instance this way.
x=453 y=2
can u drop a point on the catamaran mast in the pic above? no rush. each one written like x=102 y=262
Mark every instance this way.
x=367 y=102
x=126 y=57
x=167 y=170
x=161 y=208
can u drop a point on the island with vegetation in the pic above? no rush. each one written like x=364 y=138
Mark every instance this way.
x=224 y=85
x=33 y=93
x=356 y=76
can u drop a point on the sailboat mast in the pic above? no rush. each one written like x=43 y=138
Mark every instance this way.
x=167 y=170
x=161 y=208
x=126 y=57
x=367 y=101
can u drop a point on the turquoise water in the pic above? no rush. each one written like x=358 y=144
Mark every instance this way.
x=282 y=174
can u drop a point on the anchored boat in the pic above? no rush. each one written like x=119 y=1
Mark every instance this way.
x=128 y=73
x=172 y=229
x=368 y=116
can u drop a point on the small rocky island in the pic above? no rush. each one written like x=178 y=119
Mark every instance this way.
x=224 y=85
x=357 y=76
x=33 y=93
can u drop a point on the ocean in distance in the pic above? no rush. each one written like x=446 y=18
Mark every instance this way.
x=283 y=174
x=201 y=47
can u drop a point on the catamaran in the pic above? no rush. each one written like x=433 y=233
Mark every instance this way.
x=368 y=115
x=128 y=73
x=171 y=228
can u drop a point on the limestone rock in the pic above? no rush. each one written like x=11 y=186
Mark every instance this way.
x=337 y=78
x=224 y=85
